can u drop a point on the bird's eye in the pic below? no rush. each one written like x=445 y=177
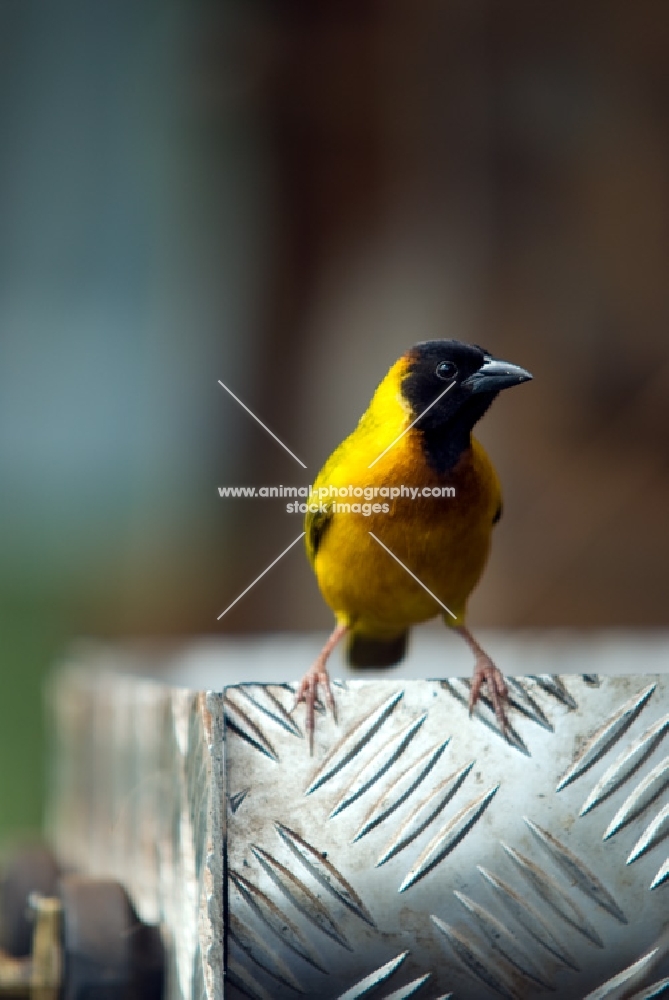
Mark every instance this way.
x=446 y=370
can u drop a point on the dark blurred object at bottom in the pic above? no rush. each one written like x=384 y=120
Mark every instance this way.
x=66 y=937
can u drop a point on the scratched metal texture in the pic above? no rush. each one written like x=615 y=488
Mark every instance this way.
x=420 y=853
x=417 y=852
x=136 y=794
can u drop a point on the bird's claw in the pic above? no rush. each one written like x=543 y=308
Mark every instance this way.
x=307 y=692
x=485 y=670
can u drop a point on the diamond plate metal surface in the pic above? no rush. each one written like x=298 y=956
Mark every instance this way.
x=417 y=853
x=136 y=794
x=420 y=853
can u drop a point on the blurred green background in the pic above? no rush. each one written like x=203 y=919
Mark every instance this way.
x=286 y=196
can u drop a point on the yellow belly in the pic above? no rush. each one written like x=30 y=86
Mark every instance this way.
x=443 y=541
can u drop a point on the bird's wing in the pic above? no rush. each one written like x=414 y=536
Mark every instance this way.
x=315 y=525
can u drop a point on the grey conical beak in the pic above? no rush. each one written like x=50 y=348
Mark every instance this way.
x=494 y=375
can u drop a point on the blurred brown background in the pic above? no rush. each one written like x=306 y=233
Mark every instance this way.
x=286 y=196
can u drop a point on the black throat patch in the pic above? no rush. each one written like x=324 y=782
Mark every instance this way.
x=444 y=445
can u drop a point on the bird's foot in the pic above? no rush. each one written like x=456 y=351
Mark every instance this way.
x=315 y=675
x=485 y=670
x=308 y=693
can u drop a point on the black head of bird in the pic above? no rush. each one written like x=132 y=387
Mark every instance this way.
x=449 y=386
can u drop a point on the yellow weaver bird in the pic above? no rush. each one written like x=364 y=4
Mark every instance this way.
x=384 y=565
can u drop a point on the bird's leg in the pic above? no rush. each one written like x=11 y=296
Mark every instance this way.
x=315 y=675
x=485 y=670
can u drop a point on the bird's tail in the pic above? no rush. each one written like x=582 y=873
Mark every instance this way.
x=365 y=651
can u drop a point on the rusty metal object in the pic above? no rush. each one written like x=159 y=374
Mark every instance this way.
x=38 y=976
x=87 y=941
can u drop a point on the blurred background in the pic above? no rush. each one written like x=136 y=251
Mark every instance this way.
x=285 y=196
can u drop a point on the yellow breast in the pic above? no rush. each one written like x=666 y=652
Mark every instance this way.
x=444 y=541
